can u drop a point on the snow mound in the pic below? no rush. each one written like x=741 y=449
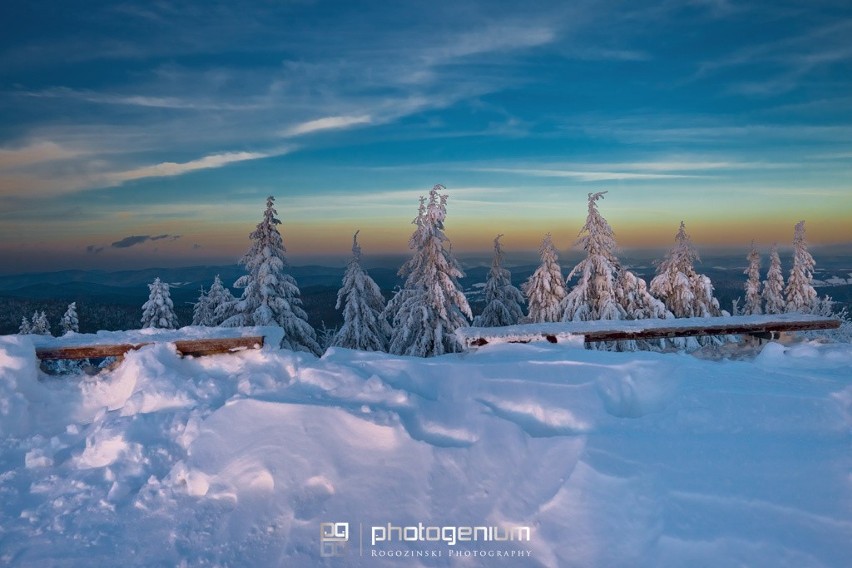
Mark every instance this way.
x=610 y=458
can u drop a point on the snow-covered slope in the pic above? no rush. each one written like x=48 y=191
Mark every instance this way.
x=612 y=459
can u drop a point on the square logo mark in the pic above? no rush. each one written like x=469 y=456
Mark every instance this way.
x=333 y=539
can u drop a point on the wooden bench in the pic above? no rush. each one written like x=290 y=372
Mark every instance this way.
x=192 y=347
x=763 y=326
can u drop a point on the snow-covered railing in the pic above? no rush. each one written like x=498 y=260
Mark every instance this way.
x=609 y=330
x=194 y=341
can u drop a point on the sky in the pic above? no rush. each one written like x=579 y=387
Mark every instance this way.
x=150 y=133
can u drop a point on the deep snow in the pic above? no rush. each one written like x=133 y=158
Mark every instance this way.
x=613 y=459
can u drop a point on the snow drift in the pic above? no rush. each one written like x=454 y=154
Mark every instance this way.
x=639 y=459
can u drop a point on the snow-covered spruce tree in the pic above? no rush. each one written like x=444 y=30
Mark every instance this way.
x=593 y=297
x=70 y=322
x=159 y=310
x=638 y=303
x=201 y=313
x=270 y=295
x=545 y=288
x=364 y=325
x=773 y=286
x=800 y=295
x=503 y=301
x=40 y=325
x=752 y=286
x=219 y=300
x=431 y=305
x=684 y=292
x=25 y=328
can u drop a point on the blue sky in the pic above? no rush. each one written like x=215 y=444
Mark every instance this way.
x=140 y=134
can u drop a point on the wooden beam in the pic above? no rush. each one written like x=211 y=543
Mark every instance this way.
x=593 y=331
x=192 y=347
x=201 y=347
x=718 y=329
x=87 y=351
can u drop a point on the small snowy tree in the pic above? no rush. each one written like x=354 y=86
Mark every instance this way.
x=632 y=293
x=202 y=314
x=752 y=287
x=159 y=310
x=40 y=325
x=683 y=291
x=219 y=301
x=70 y=322
x=431 y=305
x=800 y=295
x=773 y=286
x=364 y=325
x=593 y=297
x=545 y=288
x=270 y=295
x=26 y=328
x=503 y=301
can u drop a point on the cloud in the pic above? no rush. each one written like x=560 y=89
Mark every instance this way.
x=327 y=123
x=36 y=153
x=168 y=169
x=94 y=249
x=134 y=240
x=139 y=100
x=584 y=175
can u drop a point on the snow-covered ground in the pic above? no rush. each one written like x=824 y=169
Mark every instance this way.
x=611 y=459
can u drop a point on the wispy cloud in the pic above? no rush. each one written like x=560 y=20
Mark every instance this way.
x=326 y=123
x=134 y=240
x=168 y=169
x=140 y=100
x=782 y=65
x=35 y=153
x=582 y=175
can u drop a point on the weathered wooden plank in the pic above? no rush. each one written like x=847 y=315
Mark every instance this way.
x=193 y=347
x=201 y=347
x=645 y=329
x=720 y=329
x=87 y=351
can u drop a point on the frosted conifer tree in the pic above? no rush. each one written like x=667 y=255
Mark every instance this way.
x=773 y=286
x=752 y=286
x=25 y=328
x=159 y=310
x=593 y=297
x=70 y=321
x=431 y=305
x=202 y=314
x=364 y=324
x=270 y=295
x=683 y=291
x=638 y=303
x=800 y=295
x=545 y=288
x=220 y=300
x=502 y=300
x=40 y=325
